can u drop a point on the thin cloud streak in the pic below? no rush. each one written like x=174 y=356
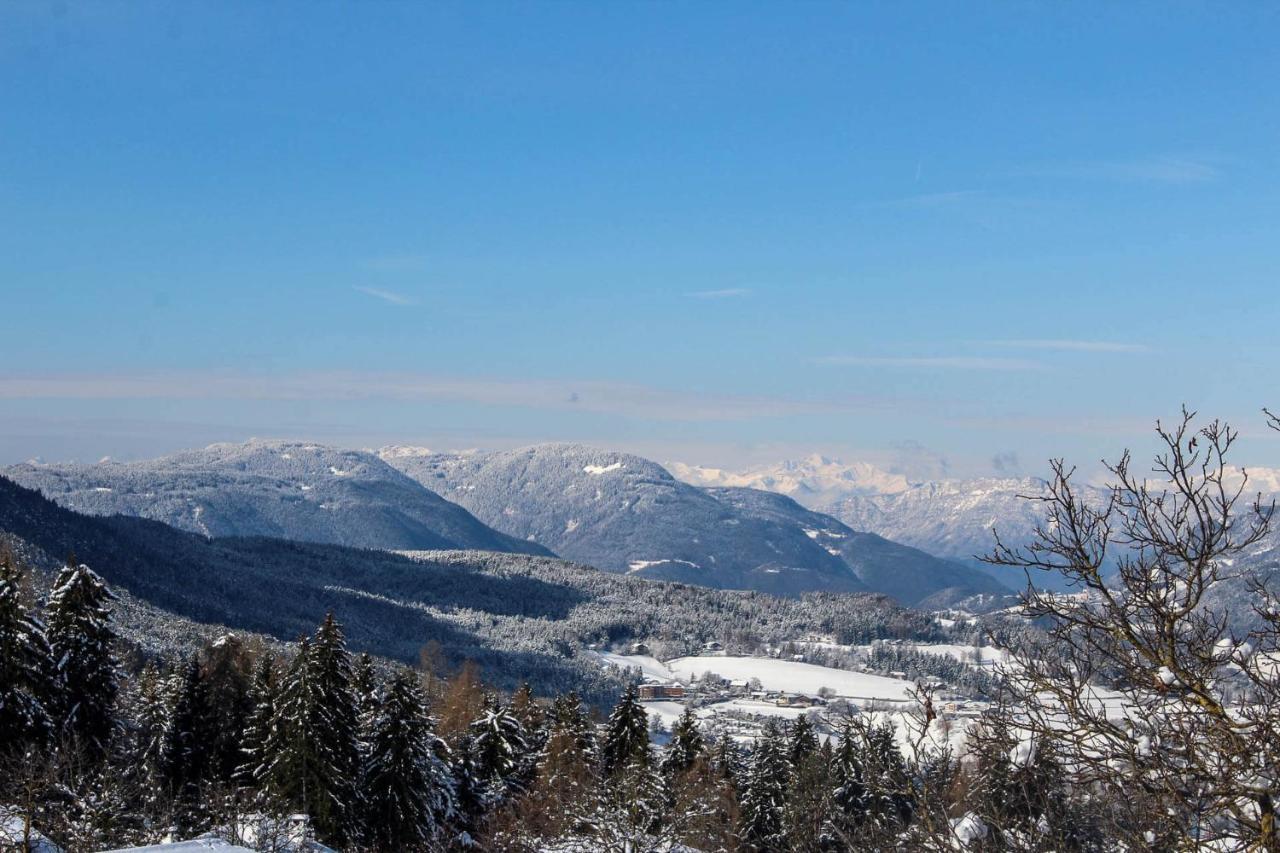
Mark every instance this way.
x=386 y=295
x=602 y=397
x=726 y=293
x=931 y=200
x=1069 y=345
x=931 y=363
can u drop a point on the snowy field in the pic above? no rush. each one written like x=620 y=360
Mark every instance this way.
x=776 y=675
x=651 y=668
x=795 y=677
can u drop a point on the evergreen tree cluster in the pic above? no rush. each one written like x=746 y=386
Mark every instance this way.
x=923 y=666
x=275 y=752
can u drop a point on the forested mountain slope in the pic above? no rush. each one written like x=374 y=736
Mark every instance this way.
x=624 y=513
x=519 y=616
x=907 y=574
x=289 y=490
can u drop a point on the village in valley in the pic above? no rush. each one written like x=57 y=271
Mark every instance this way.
x=736 y=694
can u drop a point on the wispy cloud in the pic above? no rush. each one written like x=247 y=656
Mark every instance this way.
x=932 y=200
x=386 y=295
x=630 y=400
x=950 y=362
x=725 y=293
x=1069 y=345
x=1156 y=170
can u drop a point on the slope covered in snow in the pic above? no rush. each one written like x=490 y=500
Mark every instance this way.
x=623 y=513
x=813 y=481
x=291 y=490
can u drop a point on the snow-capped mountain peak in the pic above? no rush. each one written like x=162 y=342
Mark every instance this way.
x=813 y=481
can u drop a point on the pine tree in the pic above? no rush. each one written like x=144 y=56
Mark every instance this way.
x=801 y=741
x=310 y=750
x=150 y=724
x=849 y=798
x=765 y=793
x=257 y=728
x=337 y=728
x=626 y=736
x=468 y=786
x=564 y=780
x=227 y=678
x=500 y=754
x=80 y=642
x=726 y=760
x=185 y=744
x=686 y=746
x=808 y=802
x=364 y=685
x=888 y=785
x=570 y=717
x=25 y=666
x=409 y=793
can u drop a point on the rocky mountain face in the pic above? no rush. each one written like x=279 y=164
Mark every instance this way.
x=289 y=490
x=623 y=513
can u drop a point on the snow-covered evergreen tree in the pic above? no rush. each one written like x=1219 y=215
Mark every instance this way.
x=568 y=716
x=81 y=642
x=257 y=728
x=150 y=724
x=226 y=671
x=888 y=785
x=408 y=789
x=802 y=742
x=626 y=737
x=337 y=727
x=765 y=793
x=500 y=753
x=25 y=666
x=687 y=744
x=849 y=797
x=364 y=685
x=308 y=760
x=184 y=748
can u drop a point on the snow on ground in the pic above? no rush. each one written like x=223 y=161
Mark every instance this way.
x=668 y=712
x=602 y=469
x=756 y=707
x=14 y=837
x=795 y=677
x=637 y=565
x=204 y=842
x=651 y=668
x=983 y=656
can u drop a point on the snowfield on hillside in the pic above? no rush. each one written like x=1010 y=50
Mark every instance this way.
x=795 y=677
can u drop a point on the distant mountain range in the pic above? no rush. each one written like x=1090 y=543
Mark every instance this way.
x=623 y=513
x=518 y=616
x=814 y=481
x=953 y=519
x=617 y=512
x=288 y=490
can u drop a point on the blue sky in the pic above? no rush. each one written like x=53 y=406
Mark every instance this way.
x=709 y=232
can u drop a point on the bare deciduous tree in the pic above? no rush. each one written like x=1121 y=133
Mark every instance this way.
x=1144 y=691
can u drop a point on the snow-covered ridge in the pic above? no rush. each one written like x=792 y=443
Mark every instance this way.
x=811 y=481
